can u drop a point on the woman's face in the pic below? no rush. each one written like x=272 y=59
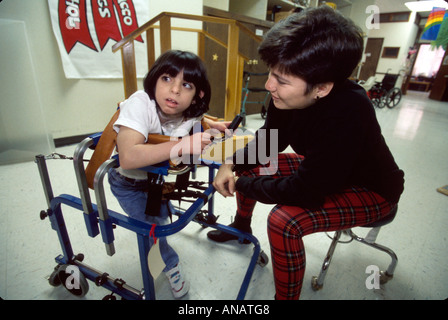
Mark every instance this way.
x=288 y=91
x=173 y=94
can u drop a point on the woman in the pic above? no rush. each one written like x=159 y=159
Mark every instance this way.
x=342 y=173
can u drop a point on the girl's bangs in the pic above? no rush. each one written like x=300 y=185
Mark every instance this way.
x=192 y=72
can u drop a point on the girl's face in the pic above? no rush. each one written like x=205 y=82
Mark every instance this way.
x=173 y=94
x=288 y=91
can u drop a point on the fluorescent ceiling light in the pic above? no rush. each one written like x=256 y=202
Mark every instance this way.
x=426 y=5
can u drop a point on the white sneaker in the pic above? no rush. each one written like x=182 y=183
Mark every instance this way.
x=179 y=287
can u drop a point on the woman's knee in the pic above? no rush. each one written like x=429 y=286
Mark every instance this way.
x=281 y=220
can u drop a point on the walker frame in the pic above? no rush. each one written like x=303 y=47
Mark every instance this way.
x=99 y=219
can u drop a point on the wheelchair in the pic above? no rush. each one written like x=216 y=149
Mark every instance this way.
x=247 y=90
x=384 y=93
x=99 y=219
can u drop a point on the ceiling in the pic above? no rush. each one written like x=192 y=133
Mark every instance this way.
x=384 y=5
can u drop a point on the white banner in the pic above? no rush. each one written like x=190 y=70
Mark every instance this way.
x=86 y=30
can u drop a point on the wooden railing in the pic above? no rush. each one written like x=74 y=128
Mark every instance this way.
x=235 y=60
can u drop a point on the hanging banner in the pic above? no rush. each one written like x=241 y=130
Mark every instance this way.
x=433 y=24
x=442 y=36
x=86 y=30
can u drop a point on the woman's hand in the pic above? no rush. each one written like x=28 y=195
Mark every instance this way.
x=225 y=180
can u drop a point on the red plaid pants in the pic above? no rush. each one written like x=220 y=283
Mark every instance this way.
x=288 y=224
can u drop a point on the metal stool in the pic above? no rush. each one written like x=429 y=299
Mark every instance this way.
x=318 y=282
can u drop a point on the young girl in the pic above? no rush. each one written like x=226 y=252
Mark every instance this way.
x=176 y=95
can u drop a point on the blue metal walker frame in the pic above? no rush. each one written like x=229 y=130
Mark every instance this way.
x=99 y=219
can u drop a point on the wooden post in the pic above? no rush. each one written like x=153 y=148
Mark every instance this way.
x=239 y=83
x=201 y=45
x=129 y=68
x=150 y=44
x=165 y=34
x=233 y=97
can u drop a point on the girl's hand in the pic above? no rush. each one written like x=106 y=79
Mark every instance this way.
x=195 y=143
x=221 y=126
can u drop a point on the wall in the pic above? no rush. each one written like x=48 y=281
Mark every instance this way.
x=23 y=130
x=179 y=39
x=358 y=13
x=396 y=34
x=74 y=107
x=251 y=8
x=218 y=4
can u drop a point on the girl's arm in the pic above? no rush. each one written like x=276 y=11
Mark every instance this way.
x=135 y=153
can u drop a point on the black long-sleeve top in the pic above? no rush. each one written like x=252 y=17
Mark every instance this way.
x=341 y=141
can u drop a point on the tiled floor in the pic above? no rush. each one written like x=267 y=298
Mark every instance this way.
x=417 y=133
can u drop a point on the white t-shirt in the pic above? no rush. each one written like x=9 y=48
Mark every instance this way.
x=140 y=113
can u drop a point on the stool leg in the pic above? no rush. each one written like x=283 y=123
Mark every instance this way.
x=389 y=273
x=318 y=282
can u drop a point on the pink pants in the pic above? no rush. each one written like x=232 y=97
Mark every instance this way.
x=288 y=224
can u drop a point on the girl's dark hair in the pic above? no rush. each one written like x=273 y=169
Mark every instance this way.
x=174 y=61
x=318 y=45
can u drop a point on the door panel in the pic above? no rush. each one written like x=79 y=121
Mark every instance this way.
x=372 y=52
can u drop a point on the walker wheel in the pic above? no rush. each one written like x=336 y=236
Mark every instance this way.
x=110 y=297
x=73 y=280
x=54 y=277
x=314 y=285
x=262 y=259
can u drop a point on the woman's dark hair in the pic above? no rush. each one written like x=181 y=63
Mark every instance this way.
x=174 y=61
x=318 y=45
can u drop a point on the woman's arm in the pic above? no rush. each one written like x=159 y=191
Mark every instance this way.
x=225 y=180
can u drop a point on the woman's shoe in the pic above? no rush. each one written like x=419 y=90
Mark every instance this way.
x=240 y=223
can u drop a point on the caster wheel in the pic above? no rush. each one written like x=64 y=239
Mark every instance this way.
x=73 y=280
x=314 y=285
x=263 y=259
x=385 y=277
x=54 y=277
x=110 y=297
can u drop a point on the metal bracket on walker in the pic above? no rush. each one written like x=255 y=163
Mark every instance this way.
x=105 y=222
x=78 y=163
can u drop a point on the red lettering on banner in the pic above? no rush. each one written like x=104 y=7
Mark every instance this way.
x=105 y=22
x=128 y=17
x=73 y=24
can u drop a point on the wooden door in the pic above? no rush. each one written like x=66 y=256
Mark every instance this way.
x=439 y=88
x=372 y=53
x=215 y=57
